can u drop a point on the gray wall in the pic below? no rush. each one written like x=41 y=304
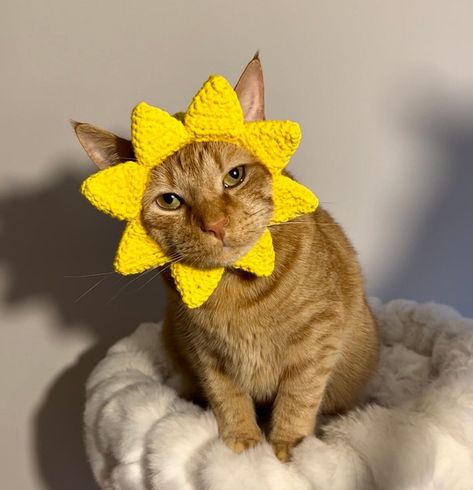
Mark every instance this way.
x=384 y=93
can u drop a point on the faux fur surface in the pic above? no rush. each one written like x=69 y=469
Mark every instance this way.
x=414 y=430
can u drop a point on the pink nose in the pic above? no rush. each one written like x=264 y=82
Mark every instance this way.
x=216 y=228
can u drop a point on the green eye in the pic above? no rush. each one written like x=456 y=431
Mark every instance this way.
x=234 y=177
x=169 y=201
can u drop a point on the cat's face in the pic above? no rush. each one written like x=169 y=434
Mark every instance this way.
x=208 y=204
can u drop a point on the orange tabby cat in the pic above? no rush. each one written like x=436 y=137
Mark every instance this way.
x=303 y=339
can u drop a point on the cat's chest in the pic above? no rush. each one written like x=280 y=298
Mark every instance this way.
x=250 y=355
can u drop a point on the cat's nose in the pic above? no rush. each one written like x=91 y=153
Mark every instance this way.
x=216 y=228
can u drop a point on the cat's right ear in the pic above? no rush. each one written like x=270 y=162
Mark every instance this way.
x=103 y=147
x=250 y=90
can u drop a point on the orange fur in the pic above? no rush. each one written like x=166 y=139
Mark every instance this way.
x=303 y=339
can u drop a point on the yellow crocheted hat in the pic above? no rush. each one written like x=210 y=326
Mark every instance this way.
x=214 y=114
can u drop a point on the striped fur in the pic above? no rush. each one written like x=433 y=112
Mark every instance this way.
x=303 y=340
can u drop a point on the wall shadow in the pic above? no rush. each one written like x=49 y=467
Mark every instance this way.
x=439 y=266
x=46 y=235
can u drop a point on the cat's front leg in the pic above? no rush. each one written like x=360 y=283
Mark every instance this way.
x=233 y=408
x=299 y=397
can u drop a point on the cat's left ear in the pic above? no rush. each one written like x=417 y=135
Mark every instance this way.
x=103 y=147
x=250 y=90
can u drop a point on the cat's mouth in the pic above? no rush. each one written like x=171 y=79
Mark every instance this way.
x=207 y=251
x=224 y=253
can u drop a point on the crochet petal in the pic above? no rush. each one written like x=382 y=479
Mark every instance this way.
x=137 y=251
x=215 y=112
x=195 y=285
x=155 y=134
x=272 y=142
x=117 y=190
x=291 y=199
x=260 y=259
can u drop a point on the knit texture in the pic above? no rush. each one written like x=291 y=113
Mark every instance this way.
x=195 y=285
x=214 y=114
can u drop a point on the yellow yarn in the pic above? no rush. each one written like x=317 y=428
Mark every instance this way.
x=214 y=114
x=260 y=259
x=195 y=285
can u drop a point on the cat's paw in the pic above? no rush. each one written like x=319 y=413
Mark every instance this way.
x=239 y=443
x=282 y=450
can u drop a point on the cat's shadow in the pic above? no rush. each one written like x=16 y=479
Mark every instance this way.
x=46 y=235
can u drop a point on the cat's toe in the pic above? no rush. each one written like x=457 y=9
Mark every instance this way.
x=282 y=450
x=238 y=444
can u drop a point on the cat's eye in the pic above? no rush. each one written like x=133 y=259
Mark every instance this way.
x=234 y=177
x=169 y=201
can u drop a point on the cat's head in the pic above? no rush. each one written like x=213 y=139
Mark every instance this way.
x=208 y=203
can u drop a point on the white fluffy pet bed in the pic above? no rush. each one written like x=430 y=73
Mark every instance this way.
x=416 y=432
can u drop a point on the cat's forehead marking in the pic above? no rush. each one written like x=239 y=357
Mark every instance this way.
x=199 y=162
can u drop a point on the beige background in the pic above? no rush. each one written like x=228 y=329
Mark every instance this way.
x=383 y=91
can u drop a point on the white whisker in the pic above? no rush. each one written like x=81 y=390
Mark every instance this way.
x=166 y=267
x=89 y=290
x=129 y=283
x=90 y=275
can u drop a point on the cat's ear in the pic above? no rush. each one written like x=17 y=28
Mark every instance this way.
x=250 y=90
x=103 y=147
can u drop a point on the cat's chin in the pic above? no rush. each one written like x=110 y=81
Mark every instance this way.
x=224 y=256
x=229 y=255
x=214 y=253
